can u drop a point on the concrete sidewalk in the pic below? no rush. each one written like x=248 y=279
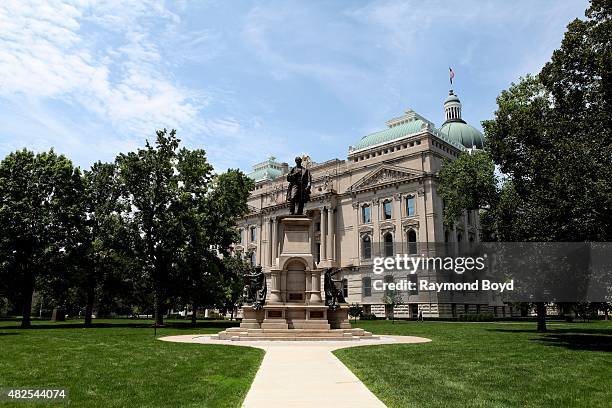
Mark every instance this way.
x=305 y=373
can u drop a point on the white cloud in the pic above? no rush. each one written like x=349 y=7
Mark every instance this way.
x=115 y=70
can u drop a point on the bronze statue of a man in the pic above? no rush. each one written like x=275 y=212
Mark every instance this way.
x=299 y=187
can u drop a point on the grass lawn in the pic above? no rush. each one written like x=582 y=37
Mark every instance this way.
x=488 y=365
x=118 y=363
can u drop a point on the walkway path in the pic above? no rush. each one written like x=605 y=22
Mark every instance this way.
x=305 y=373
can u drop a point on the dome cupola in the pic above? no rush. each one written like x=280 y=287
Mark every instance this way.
x=455 y=128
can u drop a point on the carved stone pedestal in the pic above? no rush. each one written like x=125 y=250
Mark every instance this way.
x=295 y=308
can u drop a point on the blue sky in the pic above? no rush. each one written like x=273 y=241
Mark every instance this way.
x=245 y=80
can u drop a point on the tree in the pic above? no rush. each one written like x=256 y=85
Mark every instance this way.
x=210 y=219
x=39 y=212
x=392 y=298
x=552 y=136
x=467 y=183
x=235 y=268
x=355 y=311
x=155 y=183
x=104 y=241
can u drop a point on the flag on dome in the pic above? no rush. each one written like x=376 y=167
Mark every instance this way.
x=452 y=75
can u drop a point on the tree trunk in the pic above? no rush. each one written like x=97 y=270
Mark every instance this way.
x=159 y=317
x=27 y=305
x=194 y=313
x=541 y=312
x=89 y=306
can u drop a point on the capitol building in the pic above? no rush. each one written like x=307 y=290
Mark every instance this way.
x=381 y=200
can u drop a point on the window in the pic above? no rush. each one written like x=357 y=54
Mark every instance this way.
x=241 y=232
x=318 y=227
x=388 y=279
x=387 y=209
x=469 y=217
x=366 y=284
x=412 y=242
x=253 y=259
x=388 y=244
x=318 y=252
x=253 y=232
x=365 y=214
x=410 y=206
x=345 y=288
x=446 y=236
x=412 y=278
x=366 y=247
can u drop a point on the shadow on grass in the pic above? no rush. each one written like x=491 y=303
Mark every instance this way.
x=8 y=334
x=578 y=341
x=576 y=338
x=221 y=324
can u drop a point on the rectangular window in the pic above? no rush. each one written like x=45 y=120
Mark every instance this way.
x=345 y=288
x=367 y=286
x=253 y=234
x=412 y=278
x=410 y=206
x=318 y=252
x=365 y=214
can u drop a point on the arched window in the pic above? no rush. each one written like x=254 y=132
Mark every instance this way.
x=366 y=247
x=410 y=210
x=412 y=242
x=388 y=244
x=365 y=214
x=387 y=209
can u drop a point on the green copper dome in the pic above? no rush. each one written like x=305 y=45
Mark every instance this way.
x=460 y=132
x=265 y=174
x=406 y=125
x=267 y=170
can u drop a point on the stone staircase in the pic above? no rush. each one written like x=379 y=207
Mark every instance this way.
x=244 y=334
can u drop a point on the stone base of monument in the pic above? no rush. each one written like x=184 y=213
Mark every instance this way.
x=295 y=309
x=243 y=334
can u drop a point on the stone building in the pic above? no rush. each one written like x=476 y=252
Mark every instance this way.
x=381 y=200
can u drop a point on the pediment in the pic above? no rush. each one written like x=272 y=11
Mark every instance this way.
x=383 y=175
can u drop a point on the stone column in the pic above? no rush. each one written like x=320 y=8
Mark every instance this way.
x=275 y=291
x=274 y=242
x=331 y=232
x=323 y=234
x=270 y=233
x=315 y=295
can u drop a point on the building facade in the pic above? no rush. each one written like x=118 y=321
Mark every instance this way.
x=380 y=201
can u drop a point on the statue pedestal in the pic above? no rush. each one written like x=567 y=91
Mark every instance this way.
x=295 y=300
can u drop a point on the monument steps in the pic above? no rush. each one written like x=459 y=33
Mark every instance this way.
x=242 y=334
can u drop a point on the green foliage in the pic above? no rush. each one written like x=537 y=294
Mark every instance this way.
x=480 y=317
x=552 y=135
x=355 y=310
x=467 y=183
x=39 y=215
